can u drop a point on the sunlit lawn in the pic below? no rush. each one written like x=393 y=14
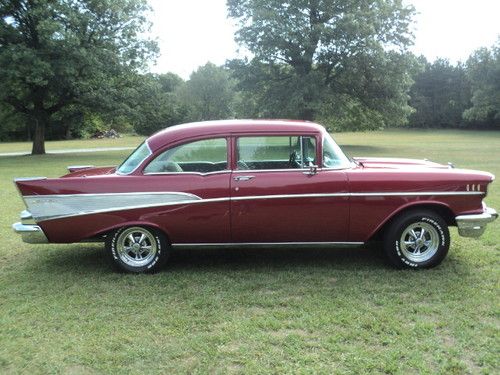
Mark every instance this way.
x=62 y=309
x=125 y=141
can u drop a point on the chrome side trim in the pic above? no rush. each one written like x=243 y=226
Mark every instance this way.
x=289 y=196
x=50 y=207
x=416 y=193
x=30 y=233
x=236 y=245
x=475 y=225
x=186 y=172
x=270 y=170
x=194 y=196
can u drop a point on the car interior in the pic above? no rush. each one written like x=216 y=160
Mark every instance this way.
x=253 y=153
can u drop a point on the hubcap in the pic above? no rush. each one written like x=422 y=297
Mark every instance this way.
x=136 y=246
x=419 y=242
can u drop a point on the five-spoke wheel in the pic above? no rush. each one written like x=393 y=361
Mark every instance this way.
x=137 y=249
x=417 y=239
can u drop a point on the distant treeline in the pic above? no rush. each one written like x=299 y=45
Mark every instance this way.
x=74 y=68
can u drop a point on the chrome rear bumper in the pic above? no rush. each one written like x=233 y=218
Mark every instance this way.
x=475 y=225
x=29 y=231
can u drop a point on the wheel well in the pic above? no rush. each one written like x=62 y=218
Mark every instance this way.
x=443 y=211
x=105 y=234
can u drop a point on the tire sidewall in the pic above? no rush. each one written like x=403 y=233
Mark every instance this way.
x=393 y=238
x=159 y=259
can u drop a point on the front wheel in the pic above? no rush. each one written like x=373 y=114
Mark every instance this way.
x=137 y=249
x=417 y=239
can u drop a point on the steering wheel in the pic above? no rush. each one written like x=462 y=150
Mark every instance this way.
x=242 y=165
x=292 y=161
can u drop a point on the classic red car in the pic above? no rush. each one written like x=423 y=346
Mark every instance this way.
x=255 y=183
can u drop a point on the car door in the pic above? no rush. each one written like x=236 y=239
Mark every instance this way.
x=276 y=197
x=197 y=174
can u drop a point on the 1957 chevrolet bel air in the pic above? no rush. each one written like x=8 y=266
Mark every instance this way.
x=255 y=183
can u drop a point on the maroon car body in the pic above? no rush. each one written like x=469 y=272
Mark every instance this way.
x=238 y=202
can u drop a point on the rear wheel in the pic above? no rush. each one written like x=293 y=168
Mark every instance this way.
x=417 y=239
x=137 y=249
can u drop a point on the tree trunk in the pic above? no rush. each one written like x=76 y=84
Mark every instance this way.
x=67 y=132
x=307 y=114
x=39 y=136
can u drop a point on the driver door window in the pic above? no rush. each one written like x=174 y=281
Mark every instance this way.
x=276 y=152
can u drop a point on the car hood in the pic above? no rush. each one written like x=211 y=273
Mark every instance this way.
x=415 y=165
x=398 y=163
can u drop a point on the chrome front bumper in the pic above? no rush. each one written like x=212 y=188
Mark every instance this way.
x=475 y=225
x=30 y=232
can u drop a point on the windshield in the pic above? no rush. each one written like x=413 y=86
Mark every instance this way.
x=135 y=159
x=333 y=157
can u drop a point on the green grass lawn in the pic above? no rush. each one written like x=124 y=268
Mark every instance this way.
x=125 y=141
x=62 y=309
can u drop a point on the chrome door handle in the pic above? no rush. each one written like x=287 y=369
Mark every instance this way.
x=243 y=178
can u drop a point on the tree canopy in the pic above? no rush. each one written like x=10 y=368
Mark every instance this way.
x=58 y=53
x=314 y=59
x=483 y=70
x=209 y=93
x=71 y=68
x=440 y=95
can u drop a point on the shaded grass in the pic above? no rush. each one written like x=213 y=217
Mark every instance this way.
x=253 y=311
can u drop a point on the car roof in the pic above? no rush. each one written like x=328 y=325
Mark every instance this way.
x=207 y=128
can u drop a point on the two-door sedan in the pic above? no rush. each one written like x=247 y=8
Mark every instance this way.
x=261 y=183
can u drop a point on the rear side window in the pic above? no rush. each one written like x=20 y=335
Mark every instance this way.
x=135 y=159
x=276 y=152
x=205 y=156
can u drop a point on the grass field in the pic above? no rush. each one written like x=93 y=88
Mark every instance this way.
x=125 y=141
x=62 y=310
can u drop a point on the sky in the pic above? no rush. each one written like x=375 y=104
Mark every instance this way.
x=192 y=32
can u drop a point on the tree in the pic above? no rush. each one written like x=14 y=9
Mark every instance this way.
x=13 y=125
x=209 y=93
x=59 y=53
x=155 y=104
x=483 y=70
x=316 y=58
x=440 y=95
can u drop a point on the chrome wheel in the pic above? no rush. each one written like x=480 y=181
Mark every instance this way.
x=419 y=242
x=136 y=246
